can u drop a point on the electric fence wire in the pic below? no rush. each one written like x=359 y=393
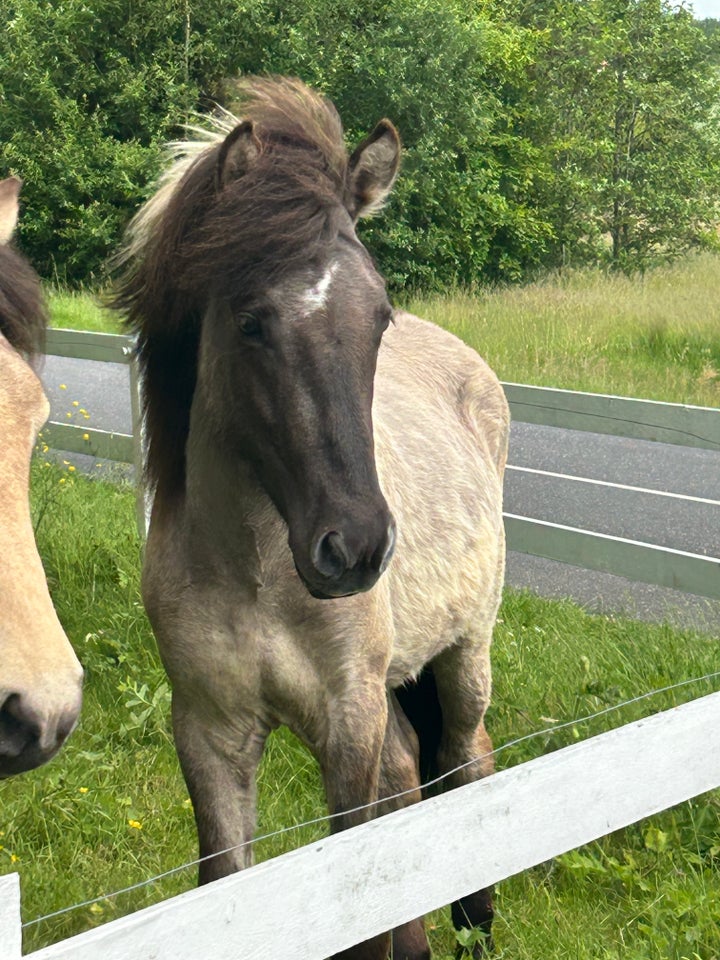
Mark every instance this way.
x=606 y=416
x=329 y=817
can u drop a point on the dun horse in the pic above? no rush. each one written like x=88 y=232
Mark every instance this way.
x=40 y=677
x=299 y=434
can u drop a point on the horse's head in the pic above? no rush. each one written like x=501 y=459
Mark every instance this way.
x=40 y=677
x=258 y=308
x=288 y=356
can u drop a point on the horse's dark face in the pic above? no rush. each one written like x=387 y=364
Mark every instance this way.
x=290 y=372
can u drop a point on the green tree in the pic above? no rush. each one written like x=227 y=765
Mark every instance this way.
x=628 y=93
x=454 y=82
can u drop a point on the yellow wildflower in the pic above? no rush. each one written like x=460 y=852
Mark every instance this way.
x=82 y=789
x=86 y=436
x=76 y=403
x=71 y=469
x=63 y=387
x=135 y=824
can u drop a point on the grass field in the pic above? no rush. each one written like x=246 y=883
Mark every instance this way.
x=112 y=810
x=73 y=310
x=656 y=337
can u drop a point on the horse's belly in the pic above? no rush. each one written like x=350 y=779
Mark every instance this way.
x=438 y=599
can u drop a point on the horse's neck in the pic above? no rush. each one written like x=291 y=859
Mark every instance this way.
x=224 y=504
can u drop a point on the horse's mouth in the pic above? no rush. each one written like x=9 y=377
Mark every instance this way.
x=350 y=586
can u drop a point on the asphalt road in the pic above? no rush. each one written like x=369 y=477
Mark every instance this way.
x=103 y=391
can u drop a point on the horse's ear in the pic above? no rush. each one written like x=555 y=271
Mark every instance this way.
x=237 y=154
x=9 y=192
x=373 y=168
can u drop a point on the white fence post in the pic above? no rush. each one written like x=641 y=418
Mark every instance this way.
x=10 y=924
x=142 y=506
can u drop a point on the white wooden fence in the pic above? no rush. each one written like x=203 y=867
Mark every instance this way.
x=619 y=416
x=351 y=886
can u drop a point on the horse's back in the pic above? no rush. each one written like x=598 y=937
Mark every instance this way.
x=441 y=429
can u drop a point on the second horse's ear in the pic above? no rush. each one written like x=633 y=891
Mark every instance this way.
x=237 y=154
x=373 y=168
x=9 y=192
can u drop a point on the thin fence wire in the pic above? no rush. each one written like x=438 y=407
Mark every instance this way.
x=367 y=806
x=614 y=419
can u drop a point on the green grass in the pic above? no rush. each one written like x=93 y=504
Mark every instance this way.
x=74 y=310
x=656 y=337
x=111 y=810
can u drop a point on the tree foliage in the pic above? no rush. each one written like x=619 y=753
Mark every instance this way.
x=629 y=98
x=535 y=134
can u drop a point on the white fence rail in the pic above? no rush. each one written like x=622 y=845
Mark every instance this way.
x=353 y=885
x=620 y=416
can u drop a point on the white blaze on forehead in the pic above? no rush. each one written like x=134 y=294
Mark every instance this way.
x=316 y=296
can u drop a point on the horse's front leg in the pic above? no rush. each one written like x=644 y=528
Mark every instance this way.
x=462 y=675
x=350 y=763
x=219 y=759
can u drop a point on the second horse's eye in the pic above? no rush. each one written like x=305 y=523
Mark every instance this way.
x=250 y=325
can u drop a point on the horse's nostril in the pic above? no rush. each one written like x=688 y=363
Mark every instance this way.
x=330 y=556
x=19 y=727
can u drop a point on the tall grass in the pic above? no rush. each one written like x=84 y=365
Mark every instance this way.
x=80 y=310
x=656 y=336
x=111 y=810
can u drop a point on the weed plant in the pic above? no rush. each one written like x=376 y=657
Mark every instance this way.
x=111 y=810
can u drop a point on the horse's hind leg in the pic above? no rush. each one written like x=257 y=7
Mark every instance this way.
x=400 y=781
x=462 y=678
x=219 y=760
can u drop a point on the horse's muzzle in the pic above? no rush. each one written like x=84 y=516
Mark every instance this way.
x=28 y=739
x=340 y=569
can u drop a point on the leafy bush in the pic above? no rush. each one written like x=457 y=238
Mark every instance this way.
x=86 y=90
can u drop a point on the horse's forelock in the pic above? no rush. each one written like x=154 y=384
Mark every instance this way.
x=23 y=315
x=191 y=232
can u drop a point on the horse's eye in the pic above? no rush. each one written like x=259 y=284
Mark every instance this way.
x=250 y=325
x=385 y=318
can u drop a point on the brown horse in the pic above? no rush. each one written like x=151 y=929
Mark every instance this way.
x=40 y=677
x=298 y=433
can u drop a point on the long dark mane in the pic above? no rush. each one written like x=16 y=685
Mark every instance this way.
x=195 y=237
x=23 y=316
